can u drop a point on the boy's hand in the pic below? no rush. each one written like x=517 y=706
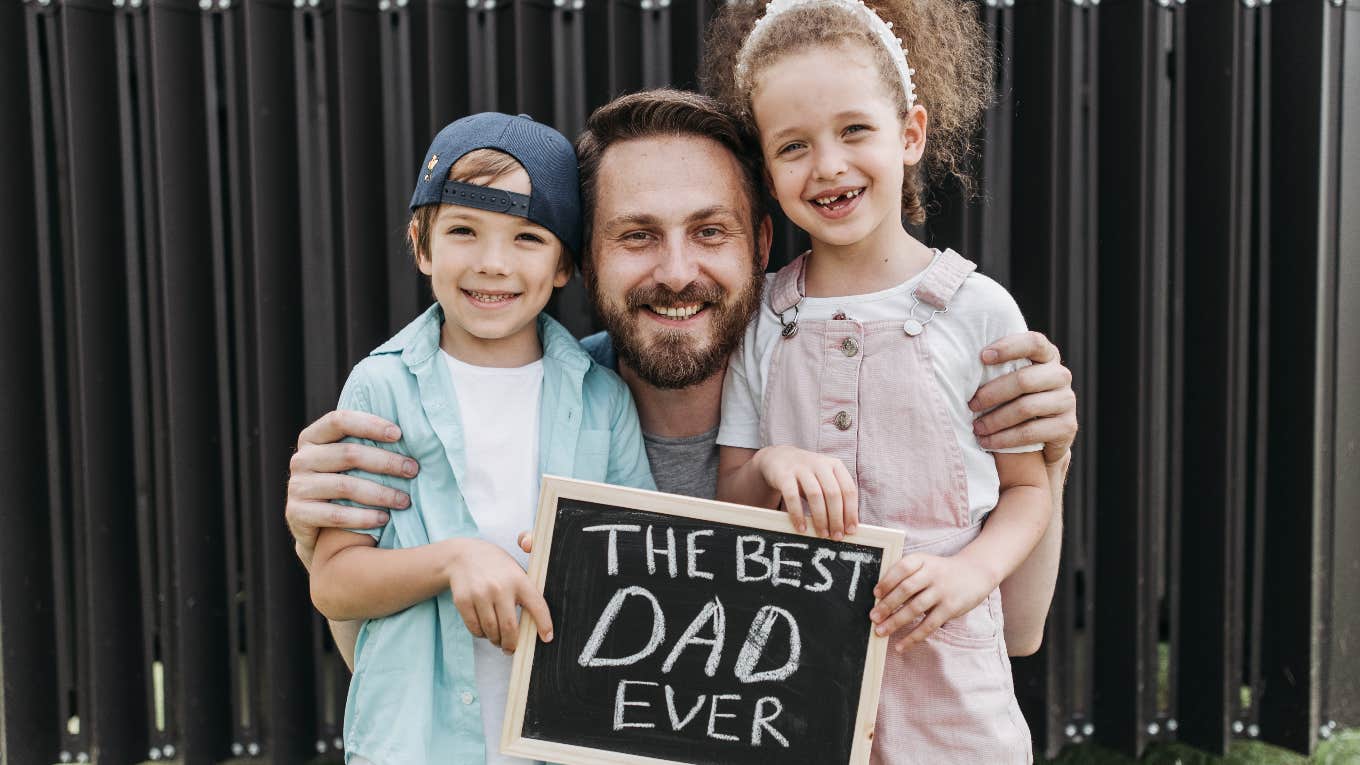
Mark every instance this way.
x=1034 y=404
x=940 y=588
x=314 y=480
x=487 y=584
x=832 y=499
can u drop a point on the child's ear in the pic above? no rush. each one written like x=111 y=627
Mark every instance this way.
x=914 y=134
x=422 y=258
x=563 y=274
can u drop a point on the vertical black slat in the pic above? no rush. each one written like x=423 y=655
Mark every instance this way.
x=1172 y=39
x=1255 y=617
x=1050 y=258
x=689 y=19
x=1133 y=314
x=139 y=211
x=194 y=637
x=623 y=48
x=103 y=491
x=992 y=248
x=1219 y=83
x=523 y=56
x=405 y=292
x=656 y=43
x=317 y=207
x=46 y=83
x=232 y=326
x=481 y=56
x=1305 y=53
x=28 y=695
x=277 y=617
x=440 y=71
x=356 y=81
x=1343 y=698
x=572 y=36
x=569 y=52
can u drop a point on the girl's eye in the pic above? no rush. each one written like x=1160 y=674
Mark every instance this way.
x=789 y=148
x=856 y=129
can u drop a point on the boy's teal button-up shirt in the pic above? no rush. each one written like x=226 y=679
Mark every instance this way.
x=413 y=697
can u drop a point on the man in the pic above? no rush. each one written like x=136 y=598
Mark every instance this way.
x=676 y=244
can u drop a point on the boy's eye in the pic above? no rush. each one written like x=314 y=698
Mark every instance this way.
x=530 y=237
x=460 y=231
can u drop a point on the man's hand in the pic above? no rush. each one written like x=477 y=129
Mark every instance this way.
x=1034 y=404
x=316 y=477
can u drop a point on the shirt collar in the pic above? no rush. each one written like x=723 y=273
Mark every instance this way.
x=419 y=340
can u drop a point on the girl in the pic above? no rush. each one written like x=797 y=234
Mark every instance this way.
x=851 y=389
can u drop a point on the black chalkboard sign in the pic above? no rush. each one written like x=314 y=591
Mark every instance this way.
x=689 y=631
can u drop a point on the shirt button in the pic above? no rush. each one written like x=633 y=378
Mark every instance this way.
x=849 y=347
x=467 y=697
x=842 y=420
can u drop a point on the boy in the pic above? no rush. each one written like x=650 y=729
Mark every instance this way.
x=489 y=394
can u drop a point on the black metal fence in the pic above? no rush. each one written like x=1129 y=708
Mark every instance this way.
x=201 y=219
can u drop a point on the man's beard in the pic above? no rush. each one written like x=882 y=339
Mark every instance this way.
x=678 y=358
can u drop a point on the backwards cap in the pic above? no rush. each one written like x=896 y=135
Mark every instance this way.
x=554 y=199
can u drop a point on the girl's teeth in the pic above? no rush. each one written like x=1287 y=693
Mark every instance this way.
x=846 y=195
x=681 y=312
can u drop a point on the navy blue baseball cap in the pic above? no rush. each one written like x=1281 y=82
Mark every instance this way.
x=554 y=200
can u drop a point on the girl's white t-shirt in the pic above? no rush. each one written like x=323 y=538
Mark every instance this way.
x=980 y=313
x=500 y=414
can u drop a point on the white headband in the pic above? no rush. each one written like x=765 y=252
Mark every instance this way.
x=881 y=29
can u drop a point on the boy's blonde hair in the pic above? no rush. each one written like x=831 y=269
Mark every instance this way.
x=483 y=166
x=948 y=48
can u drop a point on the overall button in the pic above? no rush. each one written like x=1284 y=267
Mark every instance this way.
x=842 y=420
x=849 y=347
x=467 y=697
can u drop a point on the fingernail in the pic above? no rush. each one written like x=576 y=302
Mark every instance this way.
x=548 y=639
x=977 y=427
x=409 y=467
x=879 y=629
x=392 y=433
x=974 y=404
x=873 y=615
x=404 y=499
x=379 y=518
x=838 y=536
x=852 y=528
x=990 y=356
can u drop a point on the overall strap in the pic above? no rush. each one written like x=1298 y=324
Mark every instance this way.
x=787 y=290
x=943 y=279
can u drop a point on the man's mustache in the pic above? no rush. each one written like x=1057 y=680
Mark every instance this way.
x=663 y=296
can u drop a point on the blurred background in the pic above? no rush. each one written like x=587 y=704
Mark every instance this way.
x=201 y=222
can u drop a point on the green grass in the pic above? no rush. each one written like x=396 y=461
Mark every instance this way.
x=1341 y=749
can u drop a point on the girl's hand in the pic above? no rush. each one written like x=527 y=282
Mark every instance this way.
x=940 y=588
x=825 y=482
x=487 y=584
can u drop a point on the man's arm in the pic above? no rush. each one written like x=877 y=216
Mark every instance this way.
x=1034 y=404
x=316 y=478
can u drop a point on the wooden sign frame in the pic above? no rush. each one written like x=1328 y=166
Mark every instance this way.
x=553 y=489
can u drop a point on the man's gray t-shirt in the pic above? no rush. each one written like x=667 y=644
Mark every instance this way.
x=688 y=465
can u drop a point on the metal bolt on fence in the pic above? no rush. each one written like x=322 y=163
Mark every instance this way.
x=1172 y=724
x=154 y=754
x=1254 y=730
x=1153 y=728
x=1238 y=726
x=1070 y=731
x=64 y=757
x=82 y=757
x=236 y=748
x=320 y=746
x=1324 y=731
x=253 y=749
x=338 y=743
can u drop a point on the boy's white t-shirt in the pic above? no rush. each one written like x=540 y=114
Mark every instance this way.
x=500 y=413
x=980 y=313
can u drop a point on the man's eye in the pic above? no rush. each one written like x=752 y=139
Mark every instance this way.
x=637 y=236
x=709 y=232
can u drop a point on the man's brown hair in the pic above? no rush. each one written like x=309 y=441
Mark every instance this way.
x=664 y=112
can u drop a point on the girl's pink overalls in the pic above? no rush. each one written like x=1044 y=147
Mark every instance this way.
x=866 y=392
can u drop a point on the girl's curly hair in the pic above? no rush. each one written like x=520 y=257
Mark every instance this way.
x=947 y=46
